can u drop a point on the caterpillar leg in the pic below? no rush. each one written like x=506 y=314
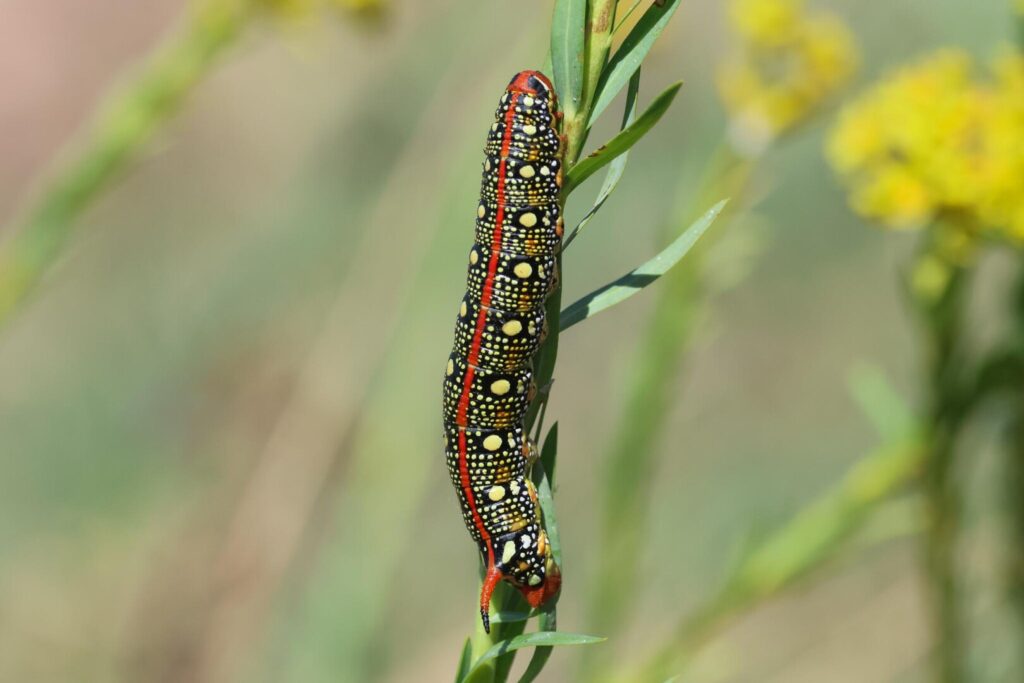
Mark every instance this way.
x=530 y=453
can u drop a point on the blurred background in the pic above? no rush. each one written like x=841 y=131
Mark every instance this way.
x=220 y=412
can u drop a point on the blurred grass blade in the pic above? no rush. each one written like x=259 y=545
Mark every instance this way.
x=617 y=167
x=548 y=622
x=127 y=119
x=811 y=537
x=631 y=283
x=878 y=399
x=630 y=55
x=567 y=35
x=538 y=639
x=465 y=661
x=618 y=145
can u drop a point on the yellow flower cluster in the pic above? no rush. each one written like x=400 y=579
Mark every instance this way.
x=931 y=142
x=789 y=62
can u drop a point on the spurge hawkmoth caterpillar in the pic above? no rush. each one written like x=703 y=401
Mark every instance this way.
x=488 y=382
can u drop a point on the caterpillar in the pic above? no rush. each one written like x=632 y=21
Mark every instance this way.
x=488 y=381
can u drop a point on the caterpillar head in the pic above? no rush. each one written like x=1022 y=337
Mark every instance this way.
x=532 y=83
x=524 y=559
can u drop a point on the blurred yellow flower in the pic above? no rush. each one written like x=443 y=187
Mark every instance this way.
x=766 y=22
x=789 y=62
x=930 y=142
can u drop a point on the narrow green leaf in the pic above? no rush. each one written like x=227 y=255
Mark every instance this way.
x=630 y=55
x=510 y=617
x=549 y=452
x=465 y=661
x=618 y=145
x=567 y=31
x=621 y=21
x=546 y=499
x=548 y=622
x=538 y=639
x=617 y=167
x=631 y=283
x=543 y=478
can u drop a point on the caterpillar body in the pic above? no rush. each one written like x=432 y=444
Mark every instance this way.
x=489 y=377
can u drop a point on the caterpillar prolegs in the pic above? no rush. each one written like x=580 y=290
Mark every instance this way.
x=488 y=380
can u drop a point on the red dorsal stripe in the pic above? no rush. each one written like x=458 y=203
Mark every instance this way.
x=474 y=347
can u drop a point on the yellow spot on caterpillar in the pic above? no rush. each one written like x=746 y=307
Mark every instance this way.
x=474 y=257
x=492 y=442
x=528 y=101
x=451 y=367
x=514 y=487
x=528 y=220
x=534 y=580
x=481 y=211
x=544 y=170
x=508 y=552
x=462 y=309
x=542 y=543
x=523 y=270
x=532 y=328
x=496 y=493
x=530 y=129
x=512 y=328
x=500 y=387
x=526 y=171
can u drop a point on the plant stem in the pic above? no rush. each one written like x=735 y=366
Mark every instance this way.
x=600 y=25
x=1013 y=486
x=1013 y=557
x=128 y=119
x=813 y=536
x=943 y=320
x=597 y=44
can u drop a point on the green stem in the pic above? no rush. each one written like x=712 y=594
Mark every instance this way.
x=1013 y=485
x=574 y=130
x=944 y=322
x=599 y=26
x=811 y=537
x=128 y=119
x=1013 y=558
